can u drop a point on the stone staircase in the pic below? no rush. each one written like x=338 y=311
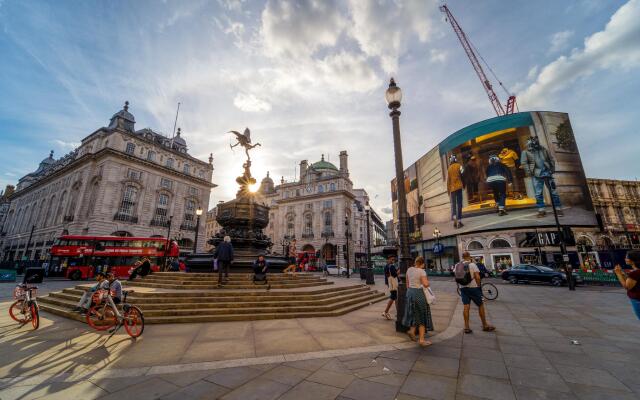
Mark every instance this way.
x=180 y=297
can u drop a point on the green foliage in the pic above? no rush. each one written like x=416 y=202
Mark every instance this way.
x=564 y=135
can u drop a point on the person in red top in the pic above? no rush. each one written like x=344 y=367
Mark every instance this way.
x=631 y=280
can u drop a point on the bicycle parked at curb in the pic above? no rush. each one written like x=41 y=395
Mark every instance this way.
x=104 y=314
x=25 y=308
x=489 y=290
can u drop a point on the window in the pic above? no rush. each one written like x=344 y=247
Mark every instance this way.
x=328 y=222
x=161 y=212
x=320 y=188
x=201 y=174
x=186 y=169
x=131 y=148
x=475 y=245
x=327 y=203
x=193 y=191
x=166 y=183
x=169 y=163
x=129 y=198
x=60 y=214
x=133 y=174
x=291 y=226
x=500 y=244
x=151 y=155
x=189 y=213
x=93 y=197
x=308 y=225
x=332 y=187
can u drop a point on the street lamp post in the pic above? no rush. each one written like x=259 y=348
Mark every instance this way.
x=393 y=96
x=370 y=278
x=436 y=234
x=347 y=233
x=195 y=244
x=563 y=246
x=26 y=250
x=166 y=247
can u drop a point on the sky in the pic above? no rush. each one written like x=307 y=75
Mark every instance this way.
x=308 y=78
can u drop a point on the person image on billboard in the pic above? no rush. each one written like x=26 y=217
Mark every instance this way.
x=455 y=184
x=498 y=176
x=539 y=165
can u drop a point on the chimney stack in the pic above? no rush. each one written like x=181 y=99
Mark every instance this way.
x=344 y=167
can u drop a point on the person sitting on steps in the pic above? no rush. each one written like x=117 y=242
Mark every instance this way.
x=260 y=269
x=85 y=300
x=142 y=268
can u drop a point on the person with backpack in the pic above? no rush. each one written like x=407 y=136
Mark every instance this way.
x=467 y=275
x=391 y=280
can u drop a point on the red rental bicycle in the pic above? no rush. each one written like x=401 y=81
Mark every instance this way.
x=104 y=314
x=25 y=308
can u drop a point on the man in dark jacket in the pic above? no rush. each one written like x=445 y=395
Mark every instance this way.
x=538 y=164
x=260 y=269
x=497 y=178
x=224 y=255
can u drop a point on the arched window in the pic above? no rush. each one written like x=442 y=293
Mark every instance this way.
x=151 y=155
x=186 y=169
x=50 y=216
x=328 y=222
x=308 y=225
x=73 y=202
x=500 y=244
x=130 y=149
x=169 y=163
x=189 y=214
x=475 y=245
x=93 y=197
x=25 y=219
x=60 y=213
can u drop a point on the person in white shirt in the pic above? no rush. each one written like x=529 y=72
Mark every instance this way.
x=417 y=312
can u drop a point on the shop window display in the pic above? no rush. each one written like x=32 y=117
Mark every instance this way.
x=492 y=175
x=502 y=261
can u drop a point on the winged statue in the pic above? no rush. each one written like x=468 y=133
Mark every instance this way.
x=244 y=140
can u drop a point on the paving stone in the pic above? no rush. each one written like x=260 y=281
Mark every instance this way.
x=441 y=351
x=398 y=366
x=597 y=393
x=335 y=365
x=360 y=363
x=149 y=389
x=494 y=369
x=483 y=354
x=429 y=386
x=528 y=362
x=591 y=377
x=403 y=396
x=372 y=371
x=198 y=390
x=537 y=379
x=438 y=366
x=309 y=365
x=54 y=390
x=562 y=346
x=389 y=379
x=287 y=375
x=311 y=391
x=361 y=389
x=482 y=386
x=331 y=378
x=529 y=393
x=400 y=355
x=542 y=332
x=258 y=389
x=567 y=359
x=358 y=356
x=521 y=349
x=475 y=341
x=233 y=377
x=184 y=379
x=114 y=384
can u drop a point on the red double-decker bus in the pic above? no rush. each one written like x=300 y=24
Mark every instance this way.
x=80 y=257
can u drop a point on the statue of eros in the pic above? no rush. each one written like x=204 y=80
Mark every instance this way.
x=244 y=140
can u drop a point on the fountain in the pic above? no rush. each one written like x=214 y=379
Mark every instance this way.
x=242 y=219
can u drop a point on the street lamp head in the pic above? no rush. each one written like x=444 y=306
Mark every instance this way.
x=199 y=211
x=393 y=95
x=436 y=232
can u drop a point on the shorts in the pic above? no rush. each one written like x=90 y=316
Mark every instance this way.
x=469 y=294
x=393 y=295
x=292 y=260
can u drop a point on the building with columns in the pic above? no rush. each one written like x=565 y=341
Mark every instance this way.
x=211 y=227
x=321 y=210
x=119 y=181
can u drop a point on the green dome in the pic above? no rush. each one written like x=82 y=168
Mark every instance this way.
x=323 y=165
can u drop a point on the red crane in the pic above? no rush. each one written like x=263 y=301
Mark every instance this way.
x=486 y=83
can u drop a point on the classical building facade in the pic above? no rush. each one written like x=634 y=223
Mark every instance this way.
x=119 y=181
x=617 y=203
x=321 y=210
x=211 y=227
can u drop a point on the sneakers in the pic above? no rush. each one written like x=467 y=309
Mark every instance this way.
x=386 y=316
x=502 y=212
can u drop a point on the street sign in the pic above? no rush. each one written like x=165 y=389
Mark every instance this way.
x=565 y=257
x=438 y=248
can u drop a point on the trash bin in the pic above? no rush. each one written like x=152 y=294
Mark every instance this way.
x=33 y=275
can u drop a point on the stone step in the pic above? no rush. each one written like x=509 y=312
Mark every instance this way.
x=230 y=281
x=70 y=301
x=251 y=308
x=233 y=277
x=219 y=298
x=228 y=317
x=225 y=286
x=247 y=275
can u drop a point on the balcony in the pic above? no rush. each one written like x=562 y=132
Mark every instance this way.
x=187 y=226
x=125 y=218
x=308 y=235
x=327 y=234
x=160 y=222
x=68 y=218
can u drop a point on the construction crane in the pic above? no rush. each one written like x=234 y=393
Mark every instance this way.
x=486 y=83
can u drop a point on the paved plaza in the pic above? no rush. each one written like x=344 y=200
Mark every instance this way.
x=356 y=356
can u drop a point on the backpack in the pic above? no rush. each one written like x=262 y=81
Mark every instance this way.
x=462 y=274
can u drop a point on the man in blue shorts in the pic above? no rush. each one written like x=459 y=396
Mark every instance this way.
x=467 y=275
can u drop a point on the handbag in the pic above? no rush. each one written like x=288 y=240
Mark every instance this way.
x=393 y=283
x=428 y=294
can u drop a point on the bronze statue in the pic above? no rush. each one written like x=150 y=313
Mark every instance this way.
x=244 y=140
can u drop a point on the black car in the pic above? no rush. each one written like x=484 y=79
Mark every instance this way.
x=536 y=273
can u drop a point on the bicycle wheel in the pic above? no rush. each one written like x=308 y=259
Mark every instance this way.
x=17 y=313
x=35 y=315
x=101 y=318
x=489 y=291
x=134 y=321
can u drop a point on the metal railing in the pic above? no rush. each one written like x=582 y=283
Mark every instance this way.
x=125 y=218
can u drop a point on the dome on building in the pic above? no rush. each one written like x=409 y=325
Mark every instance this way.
x=267 y=179
x=267 y=185
x=323 y=165
x=46 y=163
x=123 y=119
x=179 y=140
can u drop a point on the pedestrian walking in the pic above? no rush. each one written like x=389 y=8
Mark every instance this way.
x=467 y=275
x=455 y=185
x=630 y=281
x=391 y=280
x=224 y=255
x=417 y=313
x=498 y=176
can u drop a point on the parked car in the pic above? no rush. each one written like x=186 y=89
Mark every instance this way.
x=536 y=273
x=335 y=270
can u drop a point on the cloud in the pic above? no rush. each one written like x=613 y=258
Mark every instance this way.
x=386 y=210
x=559 y=41
x=615 y=47
x=533 y=72
x=438 y=56
x=65 y=145
x=250 y=103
